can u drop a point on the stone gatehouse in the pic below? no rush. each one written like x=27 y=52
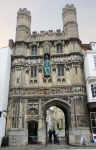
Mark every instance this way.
x=47 y=70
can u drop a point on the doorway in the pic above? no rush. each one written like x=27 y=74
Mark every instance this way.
x=32 y=132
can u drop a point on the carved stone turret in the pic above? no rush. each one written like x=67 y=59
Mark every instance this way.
x=23 y=27
x=70 y=26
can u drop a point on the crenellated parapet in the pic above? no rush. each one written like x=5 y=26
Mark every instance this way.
x=68 y=7
x=24 y=11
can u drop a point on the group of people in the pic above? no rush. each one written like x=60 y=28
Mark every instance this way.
x=55 y=135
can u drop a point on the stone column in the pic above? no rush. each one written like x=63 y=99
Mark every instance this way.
x=23 y=76
x=41 y=125
x=25 y=120
x=20 y=114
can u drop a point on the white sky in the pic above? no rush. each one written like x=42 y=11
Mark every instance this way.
x=47 y=15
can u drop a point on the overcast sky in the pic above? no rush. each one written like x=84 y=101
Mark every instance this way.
x=47 y=15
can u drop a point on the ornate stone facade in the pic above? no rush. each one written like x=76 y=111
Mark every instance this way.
x=32 y=93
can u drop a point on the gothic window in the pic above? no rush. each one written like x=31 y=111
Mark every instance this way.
x=17 y=80
x=76 y=70
x=95 y=62
x=33 y=72
x=59 y=48
x=73 y=46
x=93 y=90
x=34 y=50
x=15 y=115
x=60 y=70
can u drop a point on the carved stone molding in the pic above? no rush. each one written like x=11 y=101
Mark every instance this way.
x=33 y=43
x=58 y=42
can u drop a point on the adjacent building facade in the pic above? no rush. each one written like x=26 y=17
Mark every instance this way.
x=90 y=79
x=5 y=73
x=47 y=70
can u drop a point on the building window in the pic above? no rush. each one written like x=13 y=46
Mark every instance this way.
x=95 y=62
x=93 y=90
x=34 y=50
x=17 y=80
x=76 y=70
x=33 y=72
x=60 y=70
x=59 y=48
x=93 y=123
x=73 y=46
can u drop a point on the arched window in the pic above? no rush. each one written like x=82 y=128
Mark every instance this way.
x=17 y=80
x=73 y=46
x=76 y=70
x=34 y=50
x=33 y=72
x=60 y=70
x=59 y=48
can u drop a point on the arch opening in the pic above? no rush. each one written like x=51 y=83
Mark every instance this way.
x=59 y=122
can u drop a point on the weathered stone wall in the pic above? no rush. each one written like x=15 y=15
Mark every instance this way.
x=75 y=135
x=31 y=95
x=18 y=137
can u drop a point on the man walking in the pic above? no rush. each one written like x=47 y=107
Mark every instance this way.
x=57 y=133
x=54 y=135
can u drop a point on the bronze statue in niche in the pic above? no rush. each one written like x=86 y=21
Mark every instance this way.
x=46 y=66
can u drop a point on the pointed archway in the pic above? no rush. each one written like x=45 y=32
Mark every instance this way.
x=64 y=106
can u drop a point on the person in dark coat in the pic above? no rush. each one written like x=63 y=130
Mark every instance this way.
x=54 y=134
x=49 y=135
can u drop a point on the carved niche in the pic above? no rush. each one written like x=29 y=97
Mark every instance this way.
x=32 y=111
x=46 y=47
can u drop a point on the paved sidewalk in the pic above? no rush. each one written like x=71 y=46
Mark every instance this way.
x=49 y=147
x=27 y=147
x=62 y=145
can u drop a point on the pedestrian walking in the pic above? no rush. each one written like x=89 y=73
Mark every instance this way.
x=49 y=135
x=57 y=133
x=54 y=135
